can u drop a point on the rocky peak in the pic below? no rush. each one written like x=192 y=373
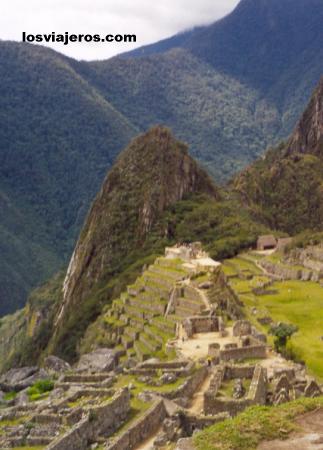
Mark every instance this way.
x=308 y=134
x=154 y=172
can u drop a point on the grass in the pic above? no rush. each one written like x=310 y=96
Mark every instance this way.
x=125 y=380
x=40 y=390
x=226 y=388
x=256 y=424
x=28 y=448
x=296 y=302
x=10 y=396
x=300 y=303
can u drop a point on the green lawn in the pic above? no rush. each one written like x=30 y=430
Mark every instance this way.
x=296 y=302
x=300 y=303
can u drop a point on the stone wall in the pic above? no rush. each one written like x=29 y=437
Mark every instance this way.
x=192 y=422
x=238 y=371
x=286 y=272
x=216 y=405
x=106 y=419
x=201 y=324
x=234 y=354
x=141 y=429
x=256 y=395
x=258 y=389
x=189 y=387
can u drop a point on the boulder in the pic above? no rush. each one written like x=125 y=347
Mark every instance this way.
x=22 y=398
x=168 y=378
x=238 y=390
x=100 y=360
x=57 y=365
x=27 y=382
x=19 y=379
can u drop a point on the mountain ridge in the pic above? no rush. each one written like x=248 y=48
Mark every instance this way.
x=284 y=189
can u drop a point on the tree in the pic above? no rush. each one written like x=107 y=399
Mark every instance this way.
x=282 y=332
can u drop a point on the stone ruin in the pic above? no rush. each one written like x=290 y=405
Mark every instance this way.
x=86 y=409
x=215 y=402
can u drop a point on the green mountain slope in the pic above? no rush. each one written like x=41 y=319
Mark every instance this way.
x=58 y=136
x=285 y=189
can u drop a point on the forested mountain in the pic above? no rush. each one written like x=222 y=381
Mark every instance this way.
x=285 y=188
x=58 y=136
x=229 y=90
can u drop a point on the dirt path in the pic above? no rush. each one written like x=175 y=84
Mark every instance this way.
x=197 y=405
x=204 y=298
x=309 y=436
x=148 y=443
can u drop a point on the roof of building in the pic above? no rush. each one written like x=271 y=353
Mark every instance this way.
x=268 y=239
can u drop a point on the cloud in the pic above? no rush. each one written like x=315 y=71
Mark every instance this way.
x=148 y=20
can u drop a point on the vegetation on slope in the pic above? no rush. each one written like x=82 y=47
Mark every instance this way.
x=58 y=137
x=285 y=189
x=256 y=424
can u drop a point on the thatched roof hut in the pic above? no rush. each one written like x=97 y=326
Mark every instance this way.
x=267 y=242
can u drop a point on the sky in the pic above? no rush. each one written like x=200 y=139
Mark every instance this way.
x=149 y=20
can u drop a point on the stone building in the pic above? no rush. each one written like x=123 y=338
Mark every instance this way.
x=267 y=242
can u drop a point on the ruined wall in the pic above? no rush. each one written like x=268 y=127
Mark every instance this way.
x=290 y=273
x=201 y=324
x=215 y=405
x=188 y=388
x=141 y=429
x=254 y=351
x=192 y=423
x=258 y=389
x=106 y=418
x=256 y=395
x=234 y=371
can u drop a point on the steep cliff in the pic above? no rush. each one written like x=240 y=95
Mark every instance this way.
x=285 y=188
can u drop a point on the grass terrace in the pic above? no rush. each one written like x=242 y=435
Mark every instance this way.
x=296 y=302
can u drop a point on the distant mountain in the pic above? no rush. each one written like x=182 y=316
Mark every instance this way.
x=229 y=90
x=58 y=136
x=285 y=188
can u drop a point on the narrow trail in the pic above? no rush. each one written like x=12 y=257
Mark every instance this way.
x=204 y=298
x=198 y=398
x=148 y=443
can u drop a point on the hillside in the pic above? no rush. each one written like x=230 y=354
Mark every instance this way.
x=58 y=136
x=155 y=195
x=229 y=90
x=284 y=189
